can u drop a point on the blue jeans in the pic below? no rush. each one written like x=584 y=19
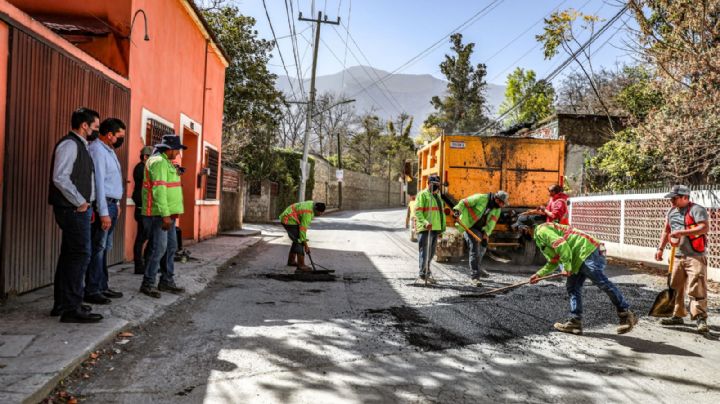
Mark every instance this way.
x=96 y=278
x=75 y=250
x=476 y=254
x=162 y=245
x=422 y=247
x=594 y=269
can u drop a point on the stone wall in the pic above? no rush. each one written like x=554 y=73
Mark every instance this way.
x=359 y=191
x=258 y=207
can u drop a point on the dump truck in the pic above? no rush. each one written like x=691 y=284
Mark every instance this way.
x=466 y=165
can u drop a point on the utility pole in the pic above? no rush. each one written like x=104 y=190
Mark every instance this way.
x=311 y=102
x=339 y=147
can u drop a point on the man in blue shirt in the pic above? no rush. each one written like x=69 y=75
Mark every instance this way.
x=109 y=191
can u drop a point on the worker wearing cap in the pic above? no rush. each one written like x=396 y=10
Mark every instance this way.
x=296 y=220
x=141 y=235
x=582 y=257
x=162 y=199
x=479 y=213
x=429 y=224
x=687 y=222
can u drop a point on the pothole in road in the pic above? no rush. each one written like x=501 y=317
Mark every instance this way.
x=418 y=330
x=302 y=277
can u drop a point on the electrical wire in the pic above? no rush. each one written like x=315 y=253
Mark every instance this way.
x=282 y=59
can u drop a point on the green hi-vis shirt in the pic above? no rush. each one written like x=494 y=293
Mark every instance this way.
x=162 y=190
x=561 y=244
x=429 y=209
x=300 y=214
x=472 y=210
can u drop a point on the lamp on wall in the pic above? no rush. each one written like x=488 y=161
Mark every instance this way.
x=132 y=24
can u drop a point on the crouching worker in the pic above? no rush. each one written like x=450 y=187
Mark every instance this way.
x=479 y=213
x=582 y=257
x=296 y=219
x=429 y=224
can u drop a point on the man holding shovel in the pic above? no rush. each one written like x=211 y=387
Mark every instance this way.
x=582 y=258
x=478 y=214
x=296 y=220
x=687 y=222
x=429 y=224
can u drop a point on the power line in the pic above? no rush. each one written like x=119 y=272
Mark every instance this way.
x=296 y=54
x=387 y=93
x=282 y=59
x=474 y=18
x=347 y=35
x=558 y=69
x=537 y=44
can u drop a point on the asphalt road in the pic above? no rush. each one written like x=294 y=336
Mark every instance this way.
x=370 y=336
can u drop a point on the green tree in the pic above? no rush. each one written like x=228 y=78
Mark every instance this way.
x=366 y=146
x=252 y=107
x=464 y=109
x=537 y=98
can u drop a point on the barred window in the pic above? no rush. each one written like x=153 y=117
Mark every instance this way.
x=212 y=163
x=155 y=130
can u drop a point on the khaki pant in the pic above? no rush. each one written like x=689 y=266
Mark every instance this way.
x=689 y=277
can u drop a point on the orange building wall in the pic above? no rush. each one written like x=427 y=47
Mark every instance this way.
x=166 y=78
x=4 y=49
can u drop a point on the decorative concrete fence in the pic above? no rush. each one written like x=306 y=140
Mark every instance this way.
x=630 y=225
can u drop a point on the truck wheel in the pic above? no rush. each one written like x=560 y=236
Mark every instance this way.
x=527 y=254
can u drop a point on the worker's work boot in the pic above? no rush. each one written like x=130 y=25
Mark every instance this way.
x=571 y=326
x=292 y=259
x=301 y=267
x=672 y=321
x=476 y=283
x=627 y=321
x=483 y=273
x=702 y=326
x=431 y=280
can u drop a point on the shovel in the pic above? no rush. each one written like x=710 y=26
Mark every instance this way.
x=513 y=286
x=664 y=304
x=318 y=271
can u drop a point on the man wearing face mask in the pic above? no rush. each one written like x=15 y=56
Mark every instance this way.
x=109 y=189
x=72 y=192
x=162 y=204
x=429 y=223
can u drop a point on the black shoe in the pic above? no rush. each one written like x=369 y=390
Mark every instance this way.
x=56 y=311
x=165 y=287
x=112 y=294
x=97 y=299
x=150 y=291
x=80 y=316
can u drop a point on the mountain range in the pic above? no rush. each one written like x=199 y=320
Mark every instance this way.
x=409 y=93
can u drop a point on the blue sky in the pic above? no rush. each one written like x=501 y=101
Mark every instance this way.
x=391 y=32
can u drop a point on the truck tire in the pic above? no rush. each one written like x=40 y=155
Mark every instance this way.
x=527 y=254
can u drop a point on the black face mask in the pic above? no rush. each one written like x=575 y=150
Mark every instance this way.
x=434 y=187
x=119 y=142
x=92 y=136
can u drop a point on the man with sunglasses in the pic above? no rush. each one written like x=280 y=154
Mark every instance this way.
x=688 y=223
x=109 y=189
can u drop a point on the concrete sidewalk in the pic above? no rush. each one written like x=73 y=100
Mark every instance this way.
x=37 y=351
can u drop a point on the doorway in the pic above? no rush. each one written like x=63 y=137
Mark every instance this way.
x=188 y=219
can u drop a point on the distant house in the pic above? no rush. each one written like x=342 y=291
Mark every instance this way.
x=154 y=64
x=583 y=133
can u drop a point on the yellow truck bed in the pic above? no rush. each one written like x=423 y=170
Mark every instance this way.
x=524 y=167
